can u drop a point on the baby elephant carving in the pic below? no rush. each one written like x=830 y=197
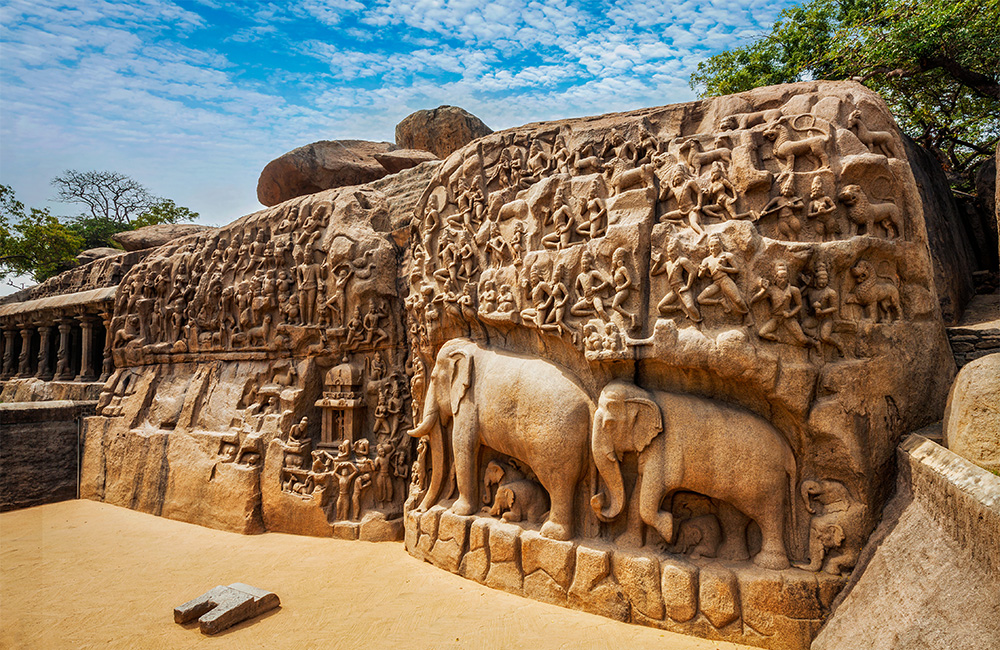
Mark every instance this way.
x=698 y=537
x=499 y=473
x=835 y=531
x=520 y=500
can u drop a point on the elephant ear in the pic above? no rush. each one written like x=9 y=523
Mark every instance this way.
x=646 y=421
x=461 y=378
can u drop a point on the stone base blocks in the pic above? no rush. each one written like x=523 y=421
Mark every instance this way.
x=740 y=603
x=223 y=607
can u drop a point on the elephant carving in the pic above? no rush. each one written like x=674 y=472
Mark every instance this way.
x=499 y=473
x=527 y=408
x=520 y=500
x=698 y=537
x=835 y=531
x=691 y=443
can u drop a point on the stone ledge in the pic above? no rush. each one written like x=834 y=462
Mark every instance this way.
x=47 y=411
x=724 y=601
x=963 y=498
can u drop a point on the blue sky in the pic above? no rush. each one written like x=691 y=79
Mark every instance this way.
x=193 y=98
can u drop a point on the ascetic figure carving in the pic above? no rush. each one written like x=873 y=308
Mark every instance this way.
x=525 y=408
x=688 y=442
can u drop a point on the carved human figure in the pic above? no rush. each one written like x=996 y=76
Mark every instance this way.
x=308 y=279
x=595 y=215
x=720 y=265
x=563 y=221
x=540 y=297
x=721 y=195
x=381 y=424
x=420 y=465
x=624 y=285
x=822 y=210
x=383 y=478
x=362 y=483
x=488 y=297
x=785 y=205
x=506 y=303
x=687 y=194
x=681 y=274
x=590 y=285
x=345 y=473
x=824 y=301
x=786 y=305
x=556 y=319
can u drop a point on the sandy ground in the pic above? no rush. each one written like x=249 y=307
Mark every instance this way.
x=81 y=574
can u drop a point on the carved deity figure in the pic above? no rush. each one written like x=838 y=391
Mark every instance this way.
x=624 y=285
x=560 y=298
x=506 y=303
x=822 y=210
x=383 y=479
x=344 y=474
x=681 y=273
x=720 y=265
x=590 y=285
x=564 y=223
x=786 y=306
x=824 y=301
x=785 y=205
x=595 y=215
x=721 y=195
x=687 y=194
x=540 y=297
x=308 y=277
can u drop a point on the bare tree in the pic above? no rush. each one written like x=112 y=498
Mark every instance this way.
x=107 y=195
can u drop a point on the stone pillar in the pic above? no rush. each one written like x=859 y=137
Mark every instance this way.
x=108 y=366
x=8 y=353
x=24 y=360
x=64 y=370
x=86 y=349
x=44 y=363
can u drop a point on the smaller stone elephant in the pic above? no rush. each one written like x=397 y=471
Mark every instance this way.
x=698 y=537
x=499 y=473
x=835 y=532
x=520 y=500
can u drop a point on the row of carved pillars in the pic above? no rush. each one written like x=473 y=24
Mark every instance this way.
x=70 y=348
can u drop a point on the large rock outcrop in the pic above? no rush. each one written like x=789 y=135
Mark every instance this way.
x=972 y=417
x=441 y=130
x=156 y=235
x=330 y=164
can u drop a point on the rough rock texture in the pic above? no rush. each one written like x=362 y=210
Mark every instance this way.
x=157 y=235
x=223 y=607
x=329 y=164
x=441 y=130
x=92 y=254
x=38 y=390
x=930 y=576
x=972 y=417
x=38 y=452
x=104 y=272
x=947 y=233
x=978 y=333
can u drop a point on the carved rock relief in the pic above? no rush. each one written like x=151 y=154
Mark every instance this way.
x=742 y=277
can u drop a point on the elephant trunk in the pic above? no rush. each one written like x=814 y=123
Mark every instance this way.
x=809 y=489
x=431 y=427
x=607 y=465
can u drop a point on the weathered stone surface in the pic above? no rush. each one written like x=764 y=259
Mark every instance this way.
x=157 y=235
x=932 y=568
x=550 y=556
x=594 y=589
x=428 y=532
x=441 y=130
x=476 y=562
x=223 y=607
x=766 y=597
x=400 y=159
x=376 y=528
x=452 y=534
x=953 y=254
x=718 y=595
x=505 y=558
x=328 y=164
x=972 y=417
x=640 y=580
x=679 y=585
x=346 y=530
x=92 y=254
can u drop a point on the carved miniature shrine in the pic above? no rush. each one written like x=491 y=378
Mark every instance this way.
x=653 y=365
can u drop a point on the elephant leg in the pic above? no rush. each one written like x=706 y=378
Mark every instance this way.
x=734 y=533
x=466 y=451
x=632 y=537
x=650 y=496
x=559 y=525
x=772 y=549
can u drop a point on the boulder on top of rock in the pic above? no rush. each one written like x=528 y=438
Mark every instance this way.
x=156 y=235
x=91 y=254
x=327 y=164
x=972 y=417
x=441 y=130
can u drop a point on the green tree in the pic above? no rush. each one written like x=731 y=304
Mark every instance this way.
x=33 y=242
x=164 y=211
x=935 y=62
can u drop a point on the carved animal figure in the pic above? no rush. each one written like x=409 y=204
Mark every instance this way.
x=698 y=537
x=877 y=296
x=787 y=149
x=259 y=335
x=836 y=529
x=697 y=157
x=863 y=212
x=872 y=139
x=686 y=442
x=527 y=408
x=639 y=177
x=515 y=209
x=520 y=500
x=746 y=120
x=499 y=473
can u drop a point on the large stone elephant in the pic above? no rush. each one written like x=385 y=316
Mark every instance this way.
x=527 y=408
x=686 y=442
